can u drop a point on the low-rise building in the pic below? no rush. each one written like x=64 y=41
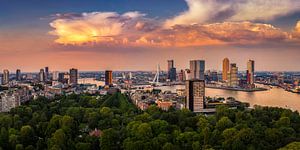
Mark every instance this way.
x=164 y=105
x=13 y=97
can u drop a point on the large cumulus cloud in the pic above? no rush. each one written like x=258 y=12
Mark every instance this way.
x=214 y=34
x=92 y=27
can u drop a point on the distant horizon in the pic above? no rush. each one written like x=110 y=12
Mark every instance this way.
x=93 y=71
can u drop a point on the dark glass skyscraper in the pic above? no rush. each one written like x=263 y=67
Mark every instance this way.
x=171 y=70
x=73 y=76
x=18 y=75
x=46 y=73
x=61 y=77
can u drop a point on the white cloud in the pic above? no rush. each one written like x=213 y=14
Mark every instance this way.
x=199 y=11
x=264 y=9
x=203 y=11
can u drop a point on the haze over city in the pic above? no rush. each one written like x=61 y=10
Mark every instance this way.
x=135 y=35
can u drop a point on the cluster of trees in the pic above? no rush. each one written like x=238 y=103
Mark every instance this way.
x=66 y=122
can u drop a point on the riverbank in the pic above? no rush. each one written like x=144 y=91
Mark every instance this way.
x=236 y=89
x=286 y=88
x=274 y=97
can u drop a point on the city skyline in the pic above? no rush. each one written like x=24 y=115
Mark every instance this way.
x=149 y=74
x=135 y=35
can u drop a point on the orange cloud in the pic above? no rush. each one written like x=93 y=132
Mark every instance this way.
x=93 y=27
x=296 y=32
x=214 y=34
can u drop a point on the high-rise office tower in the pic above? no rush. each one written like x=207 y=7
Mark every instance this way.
x=197 y=68
x=225 y=69
x=233 y=76
x=18 y=75
x=214 y=76
x=170 y=64
x=172 y=74
x=63 y=77
x=46 y=73
x=171 y=70
x=5 y=77
x=73 y=76
x=195 y=95
x=108 y=77
x=42 y=75
x=250 y=71
x=55 y=75
x=130 y=75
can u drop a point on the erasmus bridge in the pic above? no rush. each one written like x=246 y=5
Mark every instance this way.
x=155 y=81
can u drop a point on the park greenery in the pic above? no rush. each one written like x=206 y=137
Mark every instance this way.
x=67 y=122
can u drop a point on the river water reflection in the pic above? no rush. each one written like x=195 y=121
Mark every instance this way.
x=275 y=97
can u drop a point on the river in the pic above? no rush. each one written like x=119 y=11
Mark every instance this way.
x=275 y=97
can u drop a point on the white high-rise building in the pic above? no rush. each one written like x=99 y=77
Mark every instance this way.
x=5 y=77
x=232 y=76
x=55 y=75
x=42 y=75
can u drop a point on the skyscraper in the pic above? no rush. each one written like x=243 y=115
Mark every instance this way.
x=170 y=64
x=108 y=77
x=73 y=76
x=195 y=95
x=197 y=68
x=233 y=76
x=250 y=71
x=42 y=75
x=18 y=75
x=171 y=70
x=55 y=75
x=5 y=78
x=46 y=73
x=225 y=69
x=62 y=77
x=172 y=74
x=214 y=76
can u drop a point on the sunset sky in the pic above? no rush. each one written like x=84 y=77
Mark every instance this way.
x=139 y=34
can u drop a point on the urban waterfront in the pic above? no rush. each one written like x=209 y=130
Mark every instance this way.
x=275 y=97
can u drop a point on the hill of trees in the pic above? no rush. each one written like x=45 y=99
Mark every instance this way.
x=113 y=122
